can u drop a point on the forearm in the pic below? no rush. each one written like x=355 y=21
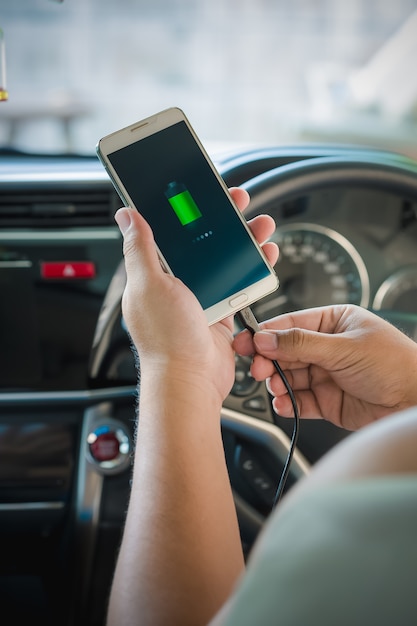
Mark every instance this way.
x=181 y=553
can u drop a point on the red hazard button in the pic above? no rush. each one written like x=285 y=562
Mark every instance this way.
x=68 y=270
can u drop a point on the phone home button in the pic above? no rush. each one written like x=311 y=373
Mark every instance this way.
x=238 y=300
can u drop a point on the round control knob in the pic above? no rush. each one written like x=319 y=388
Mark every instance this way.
x=109 y=447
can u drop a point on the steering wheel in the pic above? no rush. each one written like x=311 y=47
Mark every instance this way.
x=382 y=171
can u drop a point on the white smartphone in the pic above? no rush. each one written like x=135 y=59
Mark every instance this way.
x=159 y=167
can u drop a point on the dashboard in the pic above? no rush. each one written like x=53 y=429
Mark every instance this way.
x=347 y=232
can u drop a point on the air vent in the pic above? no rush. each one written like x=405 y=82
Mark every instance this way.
x=57 y=210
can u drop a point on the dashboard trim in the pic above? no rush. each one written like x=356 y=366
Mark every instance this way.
x=268 y=435
x=77 y=235
x=69 y=398
x=31 y=506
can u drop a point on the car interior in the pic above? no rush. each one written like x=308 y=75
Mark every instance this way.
x=345 y=205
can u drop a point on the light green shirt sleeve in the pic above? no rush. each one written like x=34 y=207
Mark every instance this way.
x=342 y=555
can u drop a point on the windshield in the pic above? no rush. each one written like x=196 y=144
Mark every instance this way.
x=244 y=71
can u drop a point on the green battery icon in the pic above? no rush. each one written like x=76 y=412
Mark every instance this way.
x=182 y=202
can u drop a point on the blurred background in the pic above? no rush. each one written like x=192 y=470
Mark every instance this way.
x=244 y=71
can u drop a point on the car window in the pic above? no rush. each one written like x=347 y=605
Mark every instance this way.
x=243 y=71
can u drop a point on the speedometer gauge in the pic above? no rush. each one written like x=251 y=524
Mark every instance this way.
x=399 y=291
x=317 y=266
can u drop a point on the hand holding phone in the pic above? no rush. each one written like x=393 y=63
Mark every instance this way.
x=159 y=167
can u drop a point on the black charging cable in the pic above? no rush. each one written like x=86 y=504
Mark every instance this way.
x=250 y=322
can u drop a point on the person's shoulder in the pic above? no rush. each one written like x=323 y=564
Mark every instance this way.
x=342 y=554
x=342 y=548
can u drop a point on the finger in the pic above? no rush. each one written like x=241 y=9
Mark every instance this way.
x=271 y=252
x=282 y=405
x=262 y=368
x=240 y=197
x=267 y=339
x=308 y=407
x=243 y=343
x=281 y=401
x=263 y=227
x=295 y=346
x=320 y=319
x=305 y=396
x=141 y=258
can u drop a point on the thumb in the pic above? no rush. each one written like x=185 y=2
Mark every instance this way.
x=139 y=250
x=295 y=344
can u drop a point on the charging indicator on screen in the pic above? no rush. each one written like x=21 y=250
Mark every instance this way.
x=183 y=203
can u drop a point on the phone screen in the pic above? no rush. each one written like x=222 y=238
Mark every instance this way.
x=201 y=238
